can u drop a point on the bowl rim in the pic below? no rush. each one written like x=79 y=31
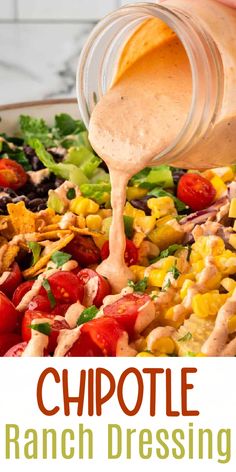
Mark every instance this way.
x=35 y=103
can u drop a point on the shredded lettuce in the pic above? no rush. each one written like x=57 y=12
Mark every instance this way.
x=64 y=170
x=36 y=128
x=100 y=193
x=150 y=178
x=65 y=125
x=83 y=158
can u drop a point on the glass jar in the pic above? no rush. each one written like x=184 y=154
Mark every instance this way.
x=206 y=29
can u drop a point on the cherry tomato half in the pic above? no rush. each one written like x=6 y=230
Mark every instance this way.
x=98 y=338
x=65 y=287
x=84 y=250
x=16 y=351
x=196 y=191
x=13 y=280
x=8 y=315
x=131 y=252
x=27 y=321
x=7 y=341
x=40 y=303
x=126 y=310
x=96 y=287
x=12 y=174
x=21 y=291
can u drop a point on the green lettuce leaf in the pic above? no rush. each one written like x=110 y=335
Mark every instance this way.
x=36 y=128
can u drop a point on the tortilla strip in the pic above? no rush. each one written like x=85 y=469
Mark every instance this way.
x=23 y=220
x=85 y=231
x=42 y=262
x=58 y=234
x=8 y=255
x=52 y=227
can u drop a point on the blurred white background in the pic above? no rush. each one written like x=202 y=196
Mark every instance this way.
x=40 y=42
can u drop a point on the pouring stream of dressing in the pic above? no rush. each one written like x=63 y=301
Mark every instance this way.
x=139 y=116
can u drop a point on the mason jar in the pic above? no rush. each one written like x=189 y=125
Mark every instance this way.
x=207 y=31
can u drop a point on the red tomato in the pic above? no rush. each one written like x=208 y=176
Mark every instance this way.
x=16 y=351
x=7 y=341
x=196 y=191
x=100 y=289
x=60 y=309
x=131 y=252
x=98 y=338
x=126 y=310
x=21 y=291
x=65 y=287
x=12 y=174
x=12 y=281
x=27 y=321
x=8 y=315
x=39 y=303
x=56 y=326
x=84 y=250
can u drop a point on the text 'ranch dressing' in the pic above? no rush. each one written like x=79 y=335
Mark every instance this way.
x=140 y=115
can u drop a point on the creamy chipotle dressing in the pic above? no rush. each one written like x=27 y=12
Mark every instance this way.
x=139 y=116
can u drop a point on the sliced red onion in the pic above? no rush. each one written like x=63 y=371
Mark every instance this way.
x=232 y=190
x=201 y=216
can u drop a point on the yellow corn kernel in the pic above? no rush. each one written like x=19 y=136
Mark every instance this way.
x=169 y=318
x=232 y=208
x=162 y=221
x=94 y=222
x=105 y=213
x=200 y=354
x=232 y=324
x=129 y=210
x=83 y=206
x=81 y=222
x=225 y=173
x=219 y=186
x=145 y=224
x=164 y=345
x=198 y=266
x=138 y=238
x=161 y=206
x=145 y=354
x=206 y=246
x=208 y=304
x=226 y=262
x=228 y=284
x=232 y=240
x=208 y=174
x=183 y=277
x=133 y=193
x=186 y=286
x=156 y=277
x=165 y=236
x=138 y=271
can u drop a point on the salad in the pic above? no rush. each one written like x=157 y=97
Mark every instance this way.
x=55 y=216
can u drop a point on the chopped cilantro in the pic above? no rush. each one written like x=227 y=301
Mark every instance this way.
x=59 y=258
x=167 y=285
x=71 y=193
x=191 y=354
x=87 y=315
x=140 y=286
x=186 y=337
x=36 y=250
x=168 y=252
x=50 y=295
x=173 y=270
x=44 y=328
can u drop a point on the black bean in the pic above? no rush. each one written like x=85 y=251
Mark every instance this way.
x=42 y=206
x=141 y=204
x=33 y=204
x=58 y=182
x=10 y=192
x=29 y=152
x=177 y=173
x=20 y=198
x=32 y=195
x=42 y=189
x=4 y=201
x=36 y=163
